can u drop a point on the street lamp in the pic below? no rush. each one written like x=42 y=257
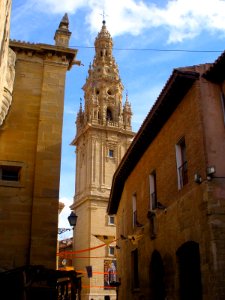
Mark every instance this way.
x=72 y=219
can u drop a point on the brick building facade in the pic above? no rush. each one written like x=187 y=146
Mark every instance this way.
x=169 y=193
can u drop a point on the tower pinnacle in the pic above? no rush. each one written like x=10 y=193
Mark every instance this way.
x=62 y=34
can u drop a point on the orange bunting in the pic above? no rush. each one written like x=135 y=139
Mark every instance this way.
x=63 y=253
x=97 y=287
x=79 y=251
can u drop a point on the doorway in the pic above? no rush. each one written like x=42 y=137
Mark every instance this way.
x=189 y=271
x=157 y=277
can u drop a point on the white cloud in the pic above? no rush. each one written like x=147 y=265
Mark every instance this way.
x=181 y=18
x=63 y=221
x=59 y=6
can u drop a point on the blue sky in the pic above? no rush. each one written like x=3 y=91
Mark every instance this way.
x=143 y=27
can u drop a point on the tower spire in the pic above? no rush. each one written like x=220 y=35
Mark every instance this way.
x=127 y=113
x=62 y=34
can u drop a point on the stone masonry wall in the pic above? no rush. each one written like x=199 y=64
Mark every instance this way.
x=186 y=215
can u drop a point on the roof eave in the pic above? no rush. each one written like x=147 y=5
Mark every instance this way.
x=216 y=72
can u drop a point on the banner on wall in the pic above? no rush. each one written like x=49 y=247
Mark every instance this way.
x=109 y=273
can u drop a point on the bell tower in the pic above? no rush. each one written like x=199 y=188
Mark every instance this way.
x=103 y=135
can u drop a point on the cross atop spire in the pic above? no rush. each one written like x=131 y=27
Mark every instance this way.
x=103 y=16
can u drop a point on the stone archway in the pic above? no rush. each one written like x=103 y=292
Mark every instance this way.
x=189 y=271
x=157 y=285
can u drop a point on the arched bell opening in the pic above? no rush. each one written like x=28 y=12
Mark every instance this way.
x=109 y=115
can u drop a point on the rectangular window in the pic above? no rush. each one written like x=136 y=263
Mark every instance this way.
x=134 y=269
x=182 y=171
x=111 y=251
x=134 y=206
x=111 y=153
x=10 y=173
x=223 y=105
x=111 y=220
x=153 y=193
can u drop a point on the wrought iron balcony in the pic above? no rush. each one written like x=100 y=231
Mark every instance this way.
x=183 y=174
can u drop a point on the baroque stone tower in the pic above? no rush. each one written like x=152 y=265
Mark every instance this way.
x=103 y=135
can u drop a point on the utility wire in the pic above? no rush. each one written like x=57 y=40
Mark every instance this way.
x=153 y=49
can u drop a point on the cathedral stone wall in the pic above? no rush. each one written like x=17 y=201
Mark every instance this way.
x=30 y=155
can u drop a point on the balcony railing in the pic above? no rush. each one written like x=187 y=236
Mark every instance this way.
x=135 y=218
x=153 y=200
x=183 y=174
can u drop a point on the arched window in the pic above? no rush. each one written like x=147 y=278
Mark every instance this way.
x=109 y=115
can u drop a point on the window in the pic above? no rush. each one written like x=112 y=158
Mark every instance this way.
x=223 y=105
x=153 y=194
x=109 y=115
x=111 y=251
x=111 y=153
x=10 y=173
x=111 y=220
x=134 y=206
x=182 y=171
x=134 y=269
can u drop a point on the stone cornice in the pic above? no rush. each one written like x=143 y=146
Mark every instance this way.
x=43 y=49
x=80 y=199
x=105 y=128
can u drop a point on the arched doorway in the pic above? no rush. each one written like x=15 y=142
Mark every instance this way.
x=189 y=271
x=157 y=285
